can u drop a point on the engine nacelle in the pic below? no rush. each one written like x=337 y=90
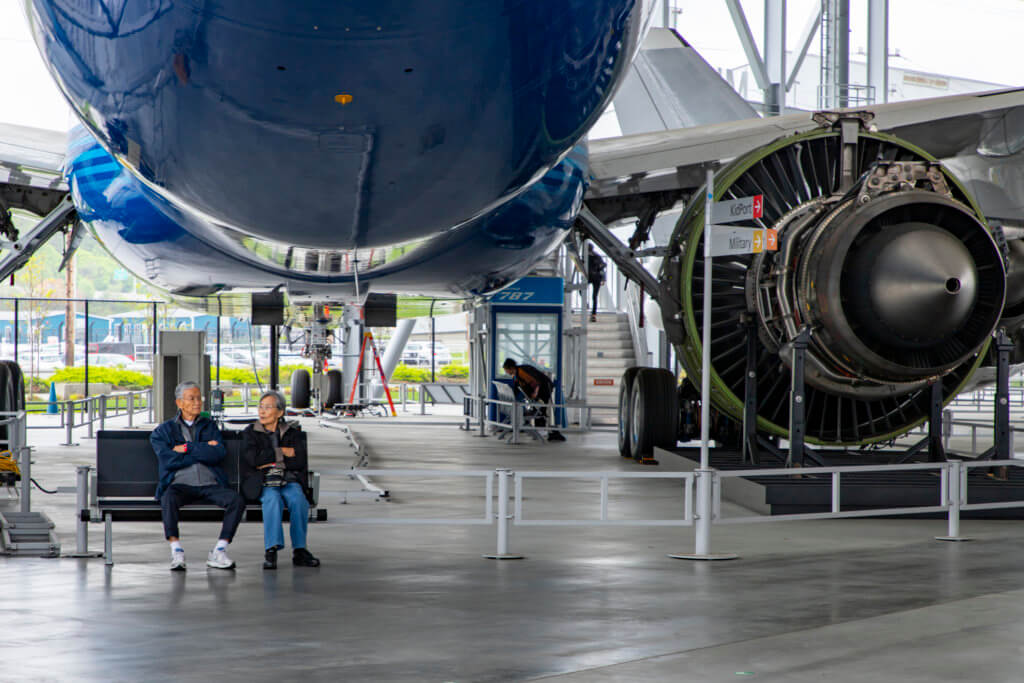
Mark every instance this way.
x=882 y=255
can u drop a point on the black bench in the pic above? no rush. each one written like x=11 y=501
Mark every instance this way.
x=127 y=473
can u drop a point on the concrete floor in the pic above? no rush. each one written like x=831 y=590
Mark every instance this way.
x=850 y=600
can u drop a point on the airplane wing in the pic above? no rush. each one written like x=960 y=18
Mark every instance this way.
x=32 y=157
x=675 y=160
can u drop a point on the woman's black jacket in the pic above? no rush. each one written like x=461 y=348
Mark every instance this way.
x=257 y=449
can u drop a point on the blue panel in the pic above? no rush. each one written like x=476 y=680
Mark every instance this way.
x=531 y=291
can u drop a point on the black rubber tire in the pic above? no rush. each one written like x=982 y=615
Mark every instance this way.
x=655 y=412
x=625 y=419
x=333 y=389
x=300 y=389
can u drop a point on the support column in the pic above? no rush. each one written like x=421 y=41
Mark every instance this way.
x=750 y=453
x=274 y=364
x=1004 y=346
x=878 y=49
x=796 y=401
x=775 y=57
x=86 y=335
x=936 y=452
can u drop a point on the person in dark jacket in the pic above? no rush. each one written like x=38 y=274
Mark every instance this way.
x=277 y=471
x=536 y=386
x=190 y=450
x=595 y=276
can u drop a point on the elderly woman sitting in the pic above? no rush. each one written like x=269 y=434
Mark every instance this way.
x=278 y=473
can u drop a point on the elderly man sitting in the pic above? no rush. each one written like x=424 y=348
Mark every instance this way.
x=190 y=450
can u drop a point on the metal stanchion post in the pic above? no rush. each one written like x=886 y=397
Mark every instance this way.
x=245 y=397
x=515 y=422
x=483 y=417
x=91 y=405
x=131 y=409
x=704 y=473
x=81 y=521
x=102 y=399
x=149 y=404
x=69 y=424
x=956 y=475
x=502 y=552
x=423 y=401
x=108 y=539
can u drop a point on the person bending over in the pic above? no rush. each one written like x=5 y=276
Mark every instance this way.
x=535 y=385
x=190 y=450
x=277 y=468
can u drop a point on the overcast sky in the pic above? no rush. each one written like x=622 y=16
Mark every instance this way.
x=978 y=39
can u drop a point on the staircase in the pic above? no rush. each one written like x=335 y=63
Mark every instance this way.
x=28 y=534
x=609 y=353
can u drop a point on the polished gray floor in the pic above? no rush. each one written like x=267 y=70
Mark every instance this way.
x=852 y=600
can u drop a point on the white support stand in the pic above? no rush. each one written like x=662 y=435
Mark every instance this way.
x=956 y=475
x=82 y=507
x=503 y=516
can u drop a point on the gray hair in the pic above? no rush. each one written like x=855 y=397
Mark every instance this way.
x=180 y=390
x=278 y=396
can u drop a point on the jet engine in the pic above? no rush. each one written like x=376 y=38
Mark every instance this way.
x=882 y=255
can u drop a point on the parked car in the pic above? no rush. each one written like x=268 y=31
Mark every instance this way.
x=418 y=353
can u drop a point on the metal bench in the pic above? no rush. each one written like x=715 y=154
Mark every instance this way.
x=127 y=473
x=445 y=392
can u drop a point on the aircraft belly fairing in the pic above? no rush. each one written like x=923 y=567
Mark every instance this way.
x=363 y=124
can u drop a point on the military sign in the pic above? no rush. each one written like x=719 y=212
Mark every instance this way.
x=726 y=240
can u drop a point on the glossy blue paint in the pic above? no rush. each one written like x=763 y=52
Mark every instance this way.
x=179 y=251
x=331 y=125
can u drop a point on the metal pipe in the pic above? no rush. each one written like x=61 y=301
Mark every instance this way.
x=108 y=540
x=86 y=394
x=92 y=415
x=835 y=491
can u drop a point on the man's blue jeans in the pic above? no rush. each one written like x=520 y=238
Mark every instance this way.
x=298 y=515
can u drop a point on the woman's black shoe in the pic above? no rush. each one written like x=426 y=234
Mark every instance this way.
x=270 y=559
x=303 y=558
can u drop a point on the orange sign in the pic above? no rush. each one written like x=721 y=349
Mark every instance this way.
x=604 y=382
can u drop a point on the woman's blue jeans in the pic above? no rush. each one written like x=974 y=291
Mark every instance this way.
x=298 y=515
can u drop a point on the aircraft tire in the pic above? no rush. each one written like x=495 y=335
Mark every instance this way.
x=625 y=403
x=333 y=388
x=654 y=410
x=300 y=389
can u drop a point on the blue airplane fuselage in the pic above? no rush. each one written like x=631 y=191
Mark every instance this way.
x=432 y=146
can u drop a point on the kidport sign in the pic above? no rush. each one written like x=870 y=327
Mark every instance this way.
x=733 y=210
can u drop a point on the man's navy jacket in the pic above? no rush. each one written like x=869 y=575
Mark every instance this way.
x=168 y=435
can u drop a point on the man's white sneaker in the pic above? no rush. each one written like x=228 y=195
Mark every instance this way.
x=178 y=561
x=218 y=559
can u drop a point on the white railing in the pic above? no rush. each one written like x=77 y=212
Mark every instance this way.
x=91 y=411
x=951 y=498
x=604 y=477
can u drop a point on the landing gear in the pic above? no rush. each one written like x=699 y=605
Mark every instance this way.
x=625 y=412
x=300 y=389
x=334 y=389
x=648 y=412
x=655 y=412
